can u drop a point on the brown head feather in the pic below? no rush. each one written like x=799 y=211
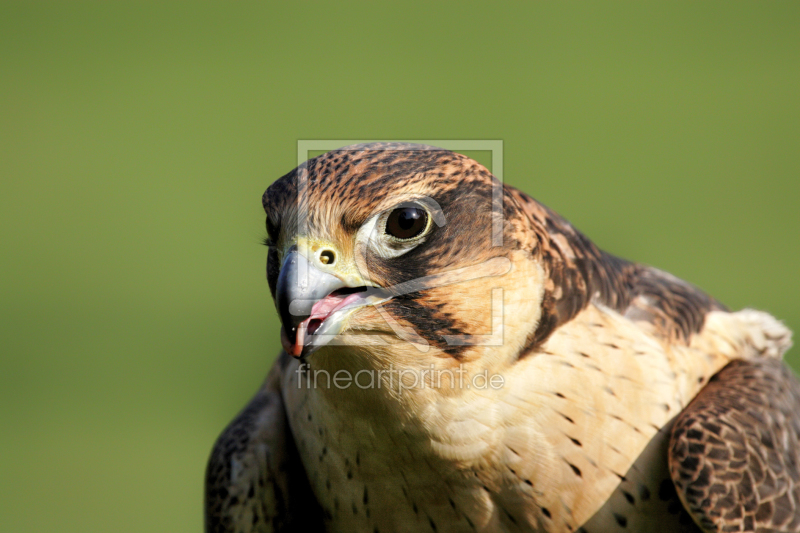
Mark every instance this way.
x=344 y=187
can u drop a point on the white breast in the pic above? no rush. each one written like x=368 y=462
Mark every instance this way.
x=580 y=424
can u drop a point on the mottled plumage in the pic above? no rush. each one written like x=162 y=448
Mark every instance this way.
x=734 y=452
x=630 y=400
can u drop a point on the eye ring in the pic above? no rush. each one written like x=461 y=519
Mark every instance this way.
x=407 y=222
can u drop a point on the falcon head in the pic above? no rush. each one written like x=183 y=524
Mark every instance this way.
x=375 y=247
x=389 y=251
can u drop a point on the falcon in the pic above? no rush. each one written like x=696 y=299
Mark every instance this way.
x=459 y=358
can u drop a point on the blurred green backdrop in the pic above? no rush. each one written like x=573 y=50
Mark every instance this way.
x=136 y=141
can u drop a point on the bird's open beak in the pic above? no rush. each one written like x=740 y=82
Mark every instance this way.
x=313 y=303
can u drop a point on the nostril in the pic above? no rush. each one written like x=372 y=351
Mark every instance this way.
x=327 y=257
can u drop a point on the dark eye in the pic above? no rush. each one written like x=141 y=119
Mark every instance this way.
x=406 y=222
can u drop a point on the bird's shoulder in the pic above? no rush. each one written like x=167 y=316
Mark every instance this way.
x=578 y=273
x=254 y=477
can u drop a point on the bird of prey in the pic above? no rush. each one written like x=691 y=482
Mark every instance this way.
x=459 y=358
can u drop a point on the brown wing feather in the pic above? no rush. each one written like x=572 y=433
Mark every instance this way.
x=734 y=452
x=255 y=481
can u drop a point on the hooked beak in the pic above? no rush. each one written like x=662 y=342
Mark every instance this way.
x=312 y=304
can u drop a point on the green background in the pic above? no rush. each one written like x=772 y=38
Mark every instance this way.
x=136 y=141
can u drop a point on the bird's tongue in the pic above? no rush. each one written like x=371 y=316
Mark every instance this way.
x=321 y=310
